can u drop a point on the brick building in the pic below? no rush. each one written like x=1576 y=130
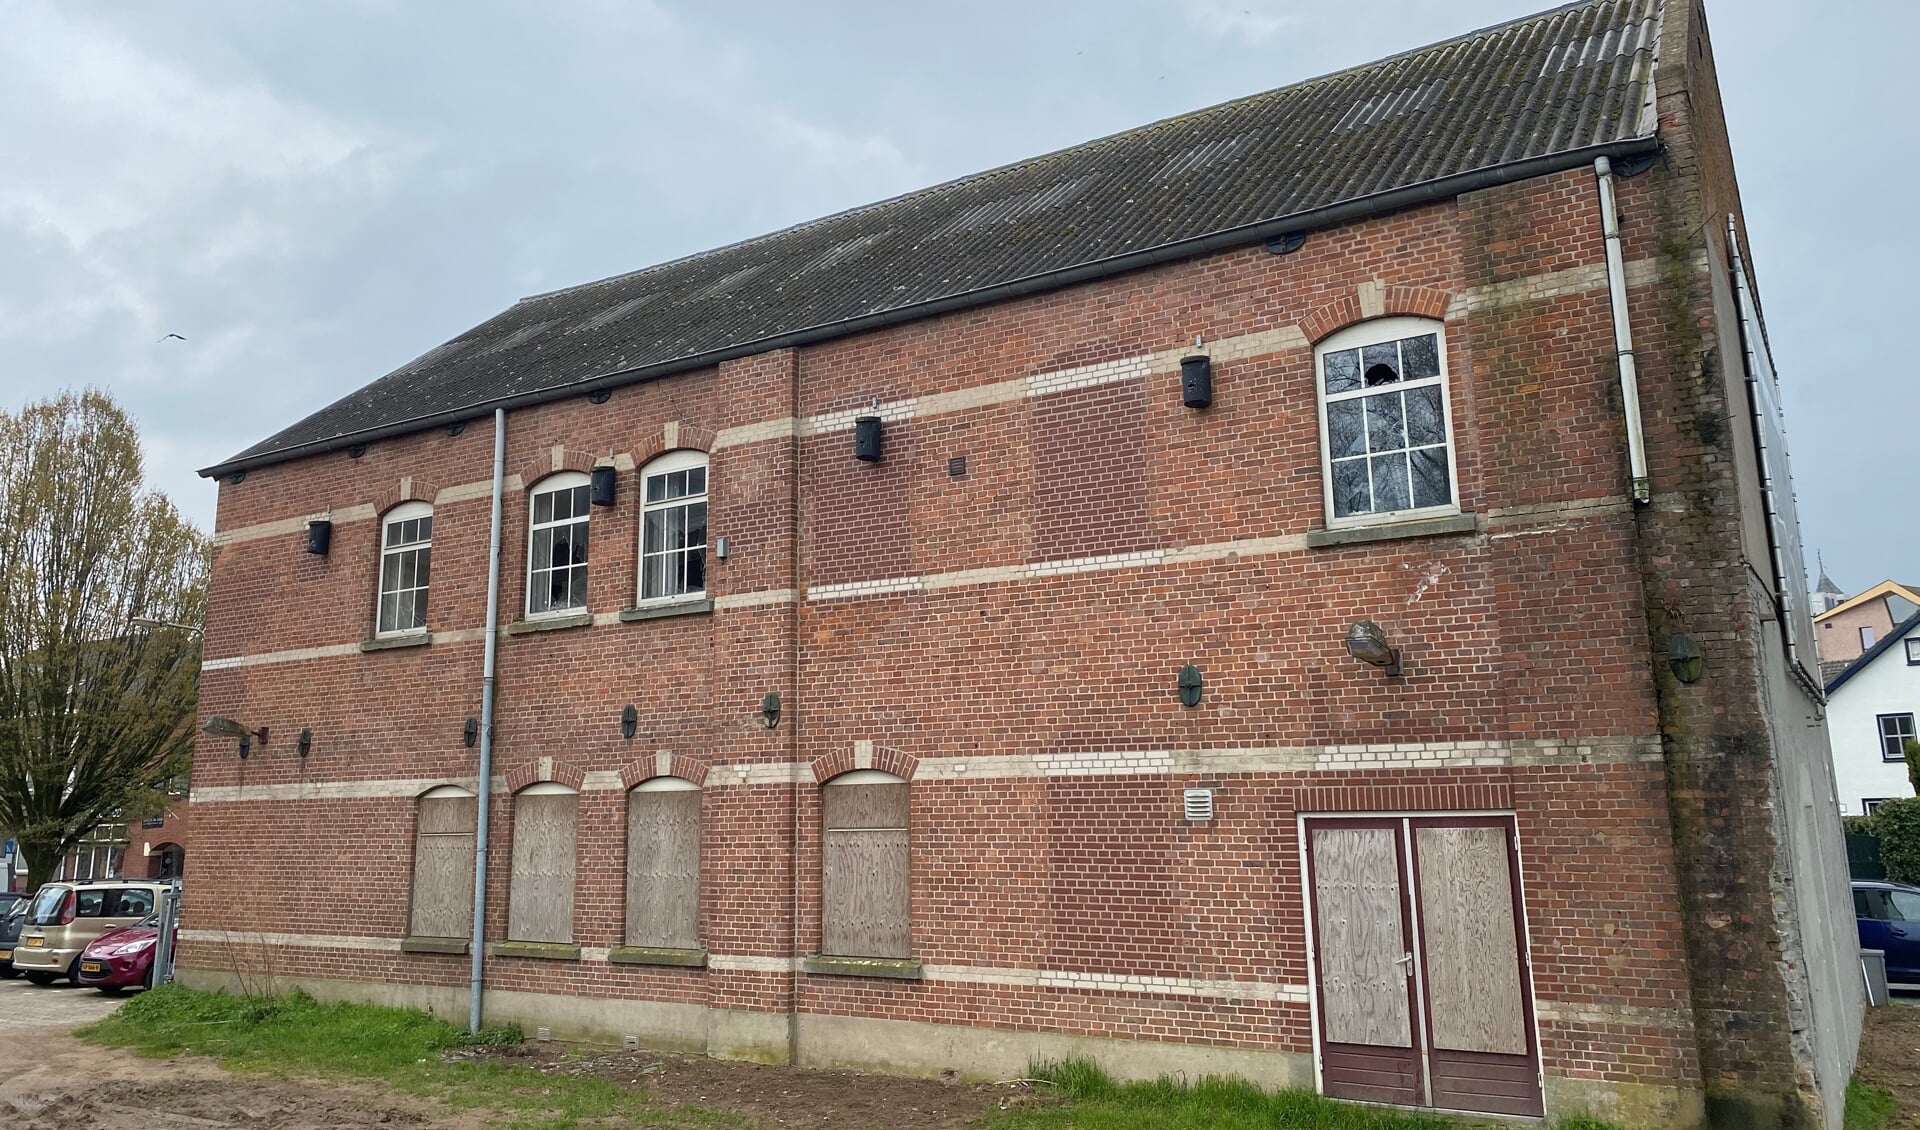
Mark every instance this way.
x=1204 y=600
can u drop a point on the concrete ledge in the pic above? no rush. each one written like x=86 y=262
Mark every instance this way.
x=1629 y=1104
x=658 y=955
x=664 y=611
x=550 y=623
x=388 y=643
x=551 y=951
x=1390 y=531
x=899 y=968
x=434 y=945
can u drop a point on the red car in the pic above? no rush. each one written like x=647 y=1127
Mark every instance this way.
x=122 y=958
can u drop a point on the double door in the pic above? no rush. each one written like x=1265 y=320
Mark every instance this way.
x=1420 y=963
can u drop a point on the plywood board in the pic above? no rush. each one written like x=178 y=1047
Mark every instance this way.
x=865 y=806
x=1357 y=908
x=864 y=893
x=663 y=869
x=442 y=886
x=1472 y=956
x=450 y=814
x=540 y=901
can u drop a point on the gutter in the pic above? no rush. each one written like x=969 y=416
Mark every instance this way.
x=1360 y=207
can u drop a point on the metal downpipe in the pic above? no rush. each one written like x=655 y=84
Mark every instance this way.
x=478 y=947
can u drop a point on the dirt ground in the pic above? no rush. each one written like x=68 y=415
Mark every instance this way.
x=54 y=1082
x=1890 y=1057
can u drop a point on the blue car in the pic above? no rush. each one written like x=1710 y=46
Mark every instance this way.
x=1889 y=919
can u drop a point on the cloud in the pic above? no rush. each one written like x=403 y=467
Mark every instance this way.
x=1229 y=20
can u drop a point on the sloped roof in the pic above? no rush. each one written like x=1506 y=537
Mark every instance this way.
x=1525 y=98
x=1908 y=593
x=1876 y=651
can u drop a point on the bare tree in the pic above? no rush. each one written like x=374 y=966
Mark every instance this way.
x=96 y=712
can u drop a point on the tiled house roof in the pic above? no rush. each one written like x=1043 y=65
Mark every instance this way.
x=1533 y=96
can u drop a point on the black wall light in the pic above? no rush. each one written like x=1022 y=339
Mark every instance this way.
x=305 y=744
x=629 y=721
x=1286 y=244
x=1685 y=659
x=600 y=396
x=1196 y=381
x=357 y=450
x=470 y=733
x=1192 y=685
x=320 y=536
x=1367 y=643
x=770 y=709
x=228 y=728
x=866 y=439
x=606 y=480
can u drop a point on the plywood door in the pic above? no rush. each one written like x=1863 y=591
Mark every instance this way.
x=864 y=872
x=1481 y=1055
x=443 y=868
x=1370 y=1046
x=540 y=893
x=663 y=869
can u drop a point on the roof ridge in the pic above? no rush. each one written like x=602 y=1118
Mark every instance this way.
x=1093 y=143
x=1900 y=631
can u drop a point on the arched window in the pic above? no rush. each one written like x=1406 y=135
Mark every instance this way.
x=406 y=557
x=443 y=864
x=865 y=907
x=673 y=527
x=1386 y=431
x=663 y=864
x=540 y=895
x=557 y=545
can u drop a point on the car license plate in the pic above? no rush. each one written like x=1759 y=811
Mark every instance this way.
x=89 y=967
x=36 y=943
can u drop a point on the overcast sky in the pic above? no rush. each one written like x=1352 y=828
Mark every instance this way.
x=312 y=194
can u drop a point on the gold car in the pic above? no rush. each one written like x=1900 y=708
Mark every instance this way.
x=65 y=917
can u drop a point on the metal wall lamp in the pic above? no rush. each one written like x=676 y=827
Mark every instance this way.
x=305 y=744
x=228 y=728
x=770 y=709
x=1192 y=685
x=1685 y=658
x=629 y=721
x=1367 y=643
x=470 y=733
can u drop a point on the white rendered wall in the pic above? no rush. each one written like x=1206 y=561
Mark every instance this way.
x=1885 y=686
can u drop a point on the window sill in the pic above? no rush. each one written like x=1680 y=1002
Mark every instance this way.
x=552 y=951
x=658 y=955
x=898 y=968
x=665 y=609
x=1390 y=531
x=550 y=623
x=433 y=945
x=387 y=643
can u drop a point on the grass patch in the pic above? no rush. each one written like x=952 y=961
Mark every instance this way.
x=1868 y=1107
x=1096 y=1102
x=400 y=1048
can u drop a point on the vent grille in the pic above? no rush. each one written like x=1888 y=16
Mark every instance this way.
x=1199 y=804
x=1398 y=104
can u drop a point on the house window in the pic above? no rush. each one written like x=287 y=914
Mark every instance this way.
x=557 y=546
x=443 y=864
x=1868 y=804
x=1866 y=638
x=673 y=527
x=1896 y=730
x=1386 y=435
x=406 y=553
x=1913 y=653
x=663 y=864
x=863 y=867
x=540 y=896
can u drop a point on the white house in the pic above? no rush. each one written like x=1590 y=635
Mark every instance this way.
x=1871 y=707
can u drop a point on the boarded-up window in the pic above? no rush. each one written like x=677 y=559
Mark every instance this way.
x=540 y=903
x=863 y=874
x=663 y=864
x=443 y=865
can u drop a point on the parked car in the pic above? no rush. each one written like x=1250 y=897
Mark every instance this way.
x=8 y=898
x=66 y=917
x=122 y=958
x=1889 y=919
x=11 y=920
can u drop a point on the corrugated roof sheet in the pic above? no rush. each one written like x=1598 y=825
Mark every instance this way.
x=1564 y=80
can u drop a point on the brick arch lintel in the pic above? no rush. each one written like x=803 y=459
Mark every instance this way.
x=1374 y=300
x=546 y=769
x=552 y=462
x=677 y=436
x=407 y=489
x=884 y=758
x=642 y=769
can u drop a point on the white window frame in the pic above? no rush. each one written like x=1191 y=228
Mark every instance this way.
x=1913 y=651
x=1376 y=332
x=666 y=465
x=1866 y=637
x=1880 y=730
x=564 y=481
x=405 y=512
